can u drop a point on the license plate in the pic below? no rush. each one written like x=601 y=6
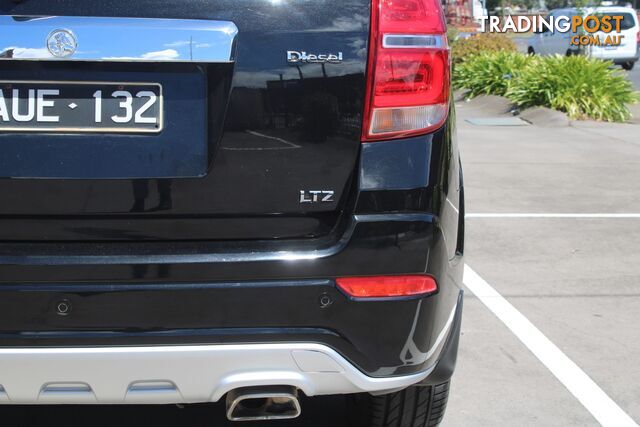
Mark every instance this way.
x=64 y=107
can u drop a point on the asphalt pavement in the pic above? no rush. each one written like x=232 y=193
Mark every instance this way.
x=564 y=262
x=634 y=76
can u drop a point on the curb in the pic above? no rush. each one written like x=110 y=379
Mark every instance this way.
x=545 y=117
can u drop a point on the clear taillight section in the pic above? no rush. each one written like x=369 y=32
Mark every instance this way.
x=408 y=69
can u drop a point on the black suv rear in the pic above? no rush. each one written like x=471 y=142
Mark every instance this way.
x=242 y=199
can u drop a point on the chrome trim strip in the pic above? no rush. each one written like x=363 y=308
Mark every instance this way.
x=414 y=41
x=180 y=374
x=120 y=39
x=214 y=257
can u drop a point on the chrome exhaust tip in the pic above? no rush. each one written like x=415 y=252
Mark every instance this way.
x=263 y=403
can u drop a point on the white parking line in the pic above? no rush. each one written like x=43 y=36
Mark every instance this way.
x=552 y=215
x=592 y=397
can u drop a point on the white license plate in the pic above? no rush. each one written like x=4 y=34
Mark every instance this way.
x=64 y=107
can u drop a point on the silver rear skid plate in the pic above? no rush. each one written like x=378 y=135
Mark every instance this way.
x=179 y=374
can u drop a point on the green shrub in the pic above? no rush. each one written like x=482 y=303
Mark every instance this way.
x=452 y=34
x=580 y=86
x=461 y=49
x=490 y=73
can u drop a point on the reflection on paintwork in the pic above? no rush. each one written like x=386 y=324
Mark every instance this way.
x=120 y=39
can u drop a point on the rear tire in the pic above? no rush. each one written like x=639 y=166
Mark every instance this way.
x=416 y=406
x=628 y=65
x=530 y=51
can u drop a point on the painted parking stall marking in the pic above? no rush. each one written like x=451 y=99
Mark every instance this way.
x=555 y=215
x=583 y=388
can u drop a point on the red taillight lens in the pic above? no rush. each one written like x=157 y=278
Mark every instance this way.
x=408 y=69
x=411 y=16
x=387 y=286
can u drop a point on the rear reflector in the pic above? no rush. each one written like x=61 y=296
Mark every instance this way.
x=408 y=69
x=387 y=286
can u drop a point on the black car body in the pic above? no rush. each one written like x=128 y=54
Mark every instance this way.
x=231 y=225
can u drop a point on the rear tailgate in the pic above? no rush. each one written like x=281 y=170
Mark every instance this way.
x=253 y=147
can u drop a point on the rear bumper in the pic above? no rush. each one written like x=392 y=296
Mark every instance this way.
x=193 y=373
x=616 y=57
x=184 y=320
x=619 y=61
x=380 y=338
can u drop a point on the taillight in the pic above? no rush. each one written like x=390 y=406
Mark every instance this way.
x=407 y=70
x=388 y=286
